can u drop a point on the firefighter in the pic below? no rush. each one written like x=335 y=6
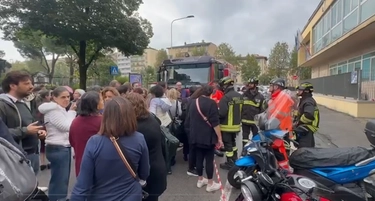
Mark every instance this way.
x=253 y=104
x=230 y=106
x=280 y=105
x=307 y=119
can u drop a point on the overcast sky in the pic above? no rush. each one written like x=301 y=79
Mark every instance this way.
x=250 y=26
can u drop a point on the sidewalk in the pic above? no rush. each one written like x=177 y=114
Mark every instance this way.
x=340 y=130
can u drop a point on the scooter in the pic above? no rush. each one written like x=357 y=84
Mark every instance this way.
x=344 y=170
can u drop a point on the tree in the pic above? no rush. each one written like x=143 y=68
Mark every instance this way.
x=148 y=75
x=180 y=54
x=160 y=57
x=198 y=51
x=302 y=72
x=103 y=25
x=225 y=51
x=122 y=79
x=279 y=60
x=18 y=65
x=37 y=46
x=265 y=79
x=250 y=68
x=99 y=70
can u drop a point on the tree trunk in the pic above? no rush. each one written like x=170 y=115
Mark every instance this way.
x=82 y=65
x=71 y=72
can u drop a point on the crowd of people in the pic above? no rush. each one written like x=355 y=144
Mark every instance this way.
x=107 y=130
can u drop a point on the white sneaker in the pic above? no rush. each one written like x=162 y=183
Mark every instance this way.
x=202 y=182
x=213 y=187
x=44 y=189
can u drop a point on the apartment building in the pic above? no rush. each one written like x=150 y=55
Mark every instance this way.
x=180 y=51
x=140 y=62
x=262 y=62
x=123 y=63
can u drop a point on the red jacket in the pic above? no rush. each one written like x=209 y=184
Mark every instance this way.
x=217 y=95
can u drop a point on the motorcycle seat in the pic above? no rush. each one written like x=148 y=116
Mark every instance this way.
x=308 y=158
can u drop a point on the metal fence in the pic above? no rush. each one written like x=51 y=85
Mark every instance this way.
x=346 y=85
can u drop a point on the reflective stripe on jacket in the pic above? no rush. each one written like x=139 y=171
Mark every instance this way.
x=230 y=107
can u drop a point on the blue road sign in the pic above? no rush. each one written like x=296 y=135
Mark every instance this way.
x=114 y=70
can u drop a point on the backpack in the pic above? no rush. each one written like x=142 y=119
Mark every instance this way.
x=17 y=179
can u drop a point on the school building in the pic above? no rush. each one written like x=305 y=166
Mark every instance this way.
x=338 y=44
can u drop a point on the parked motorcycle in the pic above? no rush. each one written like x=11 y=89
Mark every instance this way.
x=271 y=183
x=247 y=164
x=347 y=171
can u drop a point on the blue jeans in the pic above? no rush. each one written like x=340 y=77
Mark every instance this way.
x=60 y=159
x=34 y=160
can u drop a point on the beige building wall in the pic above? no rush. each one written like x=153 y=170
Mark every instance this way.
x=178 y=51
x=140 y=62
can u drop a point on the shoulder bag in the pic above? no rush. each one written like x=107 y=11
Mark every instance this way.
x=176 y=125
x=129 y=165
x=200 y=112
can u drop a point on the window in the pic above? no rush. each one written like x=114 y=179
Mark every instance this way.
x=367 y=9
x=334 y=13
x=351 y=21
x=336 y=32
x=357 y=65
x=350 y=67
x=366 y=64
x=372 y=70
x=349 y=6
x=372 y=54
x=355 y=59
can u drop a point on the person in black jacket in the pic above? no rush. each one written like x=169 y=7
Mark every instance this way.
x=203 y=123
x=149 y=126
x=253 y=104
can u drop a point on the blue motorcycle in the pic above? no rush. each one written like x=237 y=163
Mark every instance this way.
x=249 y=162
x=346 y=170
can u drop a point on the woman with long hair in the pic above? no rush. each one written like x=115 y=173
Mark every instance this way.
x=108 y=93
x=104 y=175
x=150 y=128
x=204 y=133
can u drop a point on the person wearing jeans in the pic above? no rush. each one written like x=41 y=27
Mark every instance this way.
x=58 y=149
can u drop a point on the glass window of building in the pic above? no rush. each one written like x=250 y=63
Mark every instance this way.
x=366 y=65
x=372 y=70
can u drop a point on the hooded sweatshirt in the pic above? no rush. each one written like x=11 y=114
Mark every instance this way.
x=59 y=121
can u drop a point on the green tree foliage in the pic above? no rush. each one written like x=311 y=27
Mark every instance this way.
x=103 y=25
x=302 y=72
x=225 y=51
x=2 y=54
x=122 y=79
x=100 y=71
x=265 y=79
x=160 y=57
x=198 y=51
x=4 y=65
x=250 y=68
x=37 y=46
x=279 y=60
x=148 y=75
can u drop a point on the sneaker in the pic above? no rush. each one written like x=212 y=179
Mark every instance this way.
x=213 y=187
x=192 y=173
x=202 y=183
x=42 y=188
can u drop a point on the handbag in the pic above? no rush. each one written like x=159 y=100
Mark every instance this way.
x=176 y=125
x=129 y=165
x=18 y=181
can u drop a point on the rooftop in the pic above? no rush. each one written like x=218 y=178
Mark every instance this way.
x=313 y=14
x=187 y=45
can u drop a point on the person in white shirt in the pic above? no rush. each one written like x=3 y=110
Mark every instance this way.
x=58 y=150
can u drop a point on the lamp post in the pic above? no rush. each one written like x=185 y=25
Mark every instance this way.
x=182 y=18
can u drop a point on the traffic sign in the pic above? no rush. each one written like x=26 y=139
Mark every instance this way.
x=114 y=70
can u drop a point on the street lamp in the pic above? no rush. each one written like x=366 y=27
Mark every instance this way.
x=182 y=18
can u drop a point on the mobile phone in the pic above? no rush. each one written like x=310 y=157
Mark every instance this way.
x=45 y=123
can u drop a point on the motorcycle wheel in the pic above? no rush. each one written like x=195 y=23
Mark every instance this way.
x=234 y=179
x=240 y=198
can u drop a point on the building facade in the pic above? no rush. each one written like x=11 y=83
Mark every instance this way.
x=180 y=51
x=123 y=63
x=140 y=62
x=339 y=38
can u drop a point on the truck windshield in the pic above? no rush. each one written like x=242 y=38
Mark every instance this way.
x=188 y=74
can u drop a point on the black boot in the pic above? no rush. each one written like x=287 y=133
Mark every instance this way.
x=235 y=155
x=227 y=165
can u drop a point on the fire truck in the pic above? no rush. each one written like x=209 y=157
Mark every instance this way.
x=192 y=71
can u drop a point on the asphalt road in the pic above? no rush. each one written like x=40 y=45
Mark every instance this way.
x=336 y=130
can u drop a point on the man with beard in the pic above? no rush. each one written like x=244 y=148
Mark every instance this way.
x=18 y=117
x=253 y=105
